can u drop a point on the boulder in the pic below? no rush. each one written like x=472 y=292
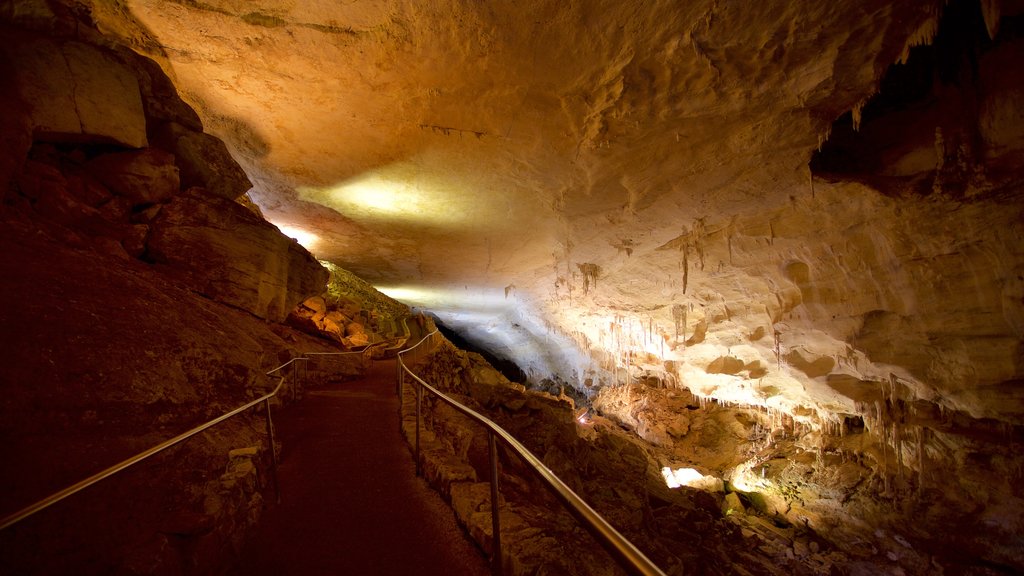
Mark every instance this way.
x=315 y=304
x=46 y=186
x=160 y=98
x=204 y=160
x=356 y=340
x=731 y=504
x=332 y=329
x=87 y=189
x=337 y=317
x=228 y=254
x=308 y=316
x=144 y=176
x=75 y=91
x=134 y=240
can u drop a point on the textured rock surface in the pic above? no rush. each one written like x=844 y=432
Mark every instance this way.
x=103 y=358
x=638 y=196
x=145 y=177
x=204 y=161
x=254 y=267
x=74 y=90
x=751 y=210
x=106 y=354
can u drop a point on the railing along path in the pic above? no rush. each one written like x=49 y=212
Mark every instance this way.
x=56 y=497
x=628 y=556
x=625 y=553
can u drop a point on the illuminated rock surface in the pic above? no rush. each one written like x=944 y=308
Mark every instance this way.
x=782 y=243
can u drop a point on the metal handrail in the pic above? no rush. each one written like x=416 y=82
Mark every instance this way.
x=627 y=555
x=99 y=476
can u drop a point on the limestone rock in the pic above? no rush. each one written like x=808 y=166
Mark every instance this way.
x=87 y=189
x=333 y=328
x=204 y=160
x=254 y=267
x=356 y=340
x=146 y=176
x=316 y=305
x=731 y=504
x=76 y=91
x=48 y=189
x=134 y=240
x=246 y=200
x=160 y=99
x=725 y=365
x=809 y=365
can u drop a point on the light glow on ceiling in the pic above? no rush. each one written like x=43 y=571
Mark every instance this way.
x=304 y=237
x=464 y=300
x=397 y=193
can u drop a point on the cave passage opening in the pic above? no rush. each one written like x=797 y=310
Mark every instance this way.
x=508 y=368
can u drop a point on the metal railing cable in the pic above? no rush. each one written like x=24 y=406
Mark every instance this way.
x=626 y=554
x=52 y=499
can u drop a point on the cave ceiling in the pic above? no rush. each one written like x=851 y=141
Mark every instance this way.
x=588 y=186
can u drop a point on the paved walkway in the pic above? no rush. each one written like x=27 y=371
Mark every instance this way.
x=350 y=499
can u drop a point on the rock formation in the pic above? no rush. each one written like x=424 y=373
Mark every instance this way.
x=780 y=244
x=352 y=313
x=139 y=300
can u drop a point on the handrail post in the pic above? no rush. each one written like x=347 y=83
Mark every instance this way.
x=496 y=567
x=419 y=419
x=295 y=384
x=273 y=451
x=401 y=395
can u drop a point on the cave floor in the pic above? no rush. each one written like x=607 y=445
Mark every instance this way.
x=351 y=502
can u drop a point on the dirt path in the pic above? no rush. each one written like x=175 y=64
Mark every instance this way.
x=351 y=502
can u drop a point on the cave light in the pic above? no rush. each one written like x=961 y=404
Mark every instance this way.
x=305 y=238
x=396 y=193
x=745 y=479
x=582 y=416
x=469 y=302
x=684 y=477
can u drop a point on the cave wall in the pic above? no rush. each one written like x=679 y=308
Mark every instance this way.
x=139 y=297
x=83 y=159
x=856 y=311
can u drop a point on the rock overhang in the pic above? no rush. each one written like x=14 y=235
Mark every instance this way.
x=592 y=190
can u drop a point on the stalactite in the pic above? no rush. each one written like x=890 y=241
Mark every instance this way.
x=923 y=35
x=856 y=113
x=880 y=418
x=686 y=271
x=991 y=11
x=823 y=137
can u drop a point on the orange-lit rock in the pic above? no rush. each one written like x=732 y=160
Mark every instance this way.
x=254 y=268
x=144 y=177
x=781 y=242
x=75 y=90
